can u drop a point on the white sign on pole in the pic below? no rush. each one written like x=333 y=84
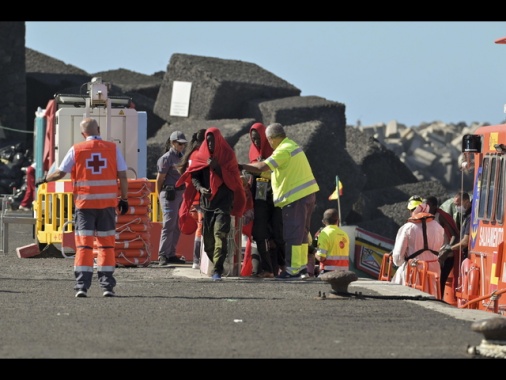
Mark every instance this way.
x=180 y=104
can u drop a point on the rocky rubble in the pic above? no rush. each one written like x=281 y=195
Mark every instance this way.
x=431 y=151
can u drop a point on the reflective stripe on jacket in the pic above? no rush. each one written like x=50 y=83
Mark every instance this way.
x=292 y=177
x=334 y=245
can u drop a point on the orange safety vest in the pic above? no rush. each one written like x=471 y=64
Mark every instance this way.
x=95 y=174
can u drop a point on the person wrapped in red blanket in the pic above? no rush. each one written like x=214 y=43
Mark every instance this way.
x=214 y=172
x=267 y=228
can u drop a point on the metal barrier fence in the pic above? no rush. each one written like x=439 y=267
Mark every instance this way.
x=6 y=219
x=54 y=210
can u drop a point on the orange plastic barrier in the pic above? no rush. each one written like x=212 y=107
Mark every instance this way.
x=132 y=261
x=127 y=219
x=129 y=253
x=386 y=271
x=129 y=244
x=132 y=228
x=137 y=210
x=139 y=201
x=127 y=235
x=419 y=277
x=133 y=237
x=140 y=183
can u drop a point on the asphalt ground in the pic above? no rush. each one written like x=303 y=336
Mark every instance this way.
x=177 y=312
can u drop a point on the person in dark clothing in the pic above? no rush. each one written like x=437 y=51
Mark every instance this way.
x=170 y=197
x=268 y=222
x=465 y=229
x=214 y=172
x=26 y=203
x=195 y=143
x=453 y=206
x=451 y=236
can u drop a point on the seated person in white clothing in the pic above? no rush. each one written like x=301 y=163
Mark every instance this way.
x=412 y=241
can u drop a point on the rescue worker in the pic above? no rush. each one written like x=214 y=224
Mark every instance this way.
x=420 y=237
x=294 y=191
x=95 y=165
x=333 y=244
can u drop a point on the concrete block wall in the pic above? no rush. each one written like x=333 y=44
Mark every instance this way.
x=13 y=81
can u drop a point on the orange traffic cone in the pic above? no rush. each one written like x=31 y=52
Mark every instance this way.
x=247 y=266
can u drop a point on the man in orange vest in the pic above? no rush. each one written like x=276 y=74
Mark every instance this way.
x=95 y=166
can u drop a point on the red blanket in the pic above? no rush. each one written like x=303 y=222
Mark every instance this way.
x=265 y=150
x=225 y=156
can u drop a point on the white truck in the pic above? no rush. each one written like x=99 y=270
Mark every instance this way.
x=57 y=129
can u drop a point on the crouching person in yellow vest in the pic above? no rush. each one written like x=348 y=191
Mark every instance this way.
x=333 y=244
x=95 y=166
x=294 y=190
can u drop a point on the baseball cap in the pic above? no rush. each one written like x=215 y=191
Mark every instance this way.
x=178 y=136
x=414 y=201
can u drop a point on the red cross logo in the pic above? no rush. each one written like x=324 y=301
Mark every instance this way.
x=96 y=163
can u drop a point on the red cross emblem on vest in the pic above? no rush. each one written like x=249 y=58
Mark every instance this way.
x=96 y=163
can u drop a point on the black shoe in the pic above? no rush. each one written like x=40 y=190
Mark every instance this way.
x=162 y=260
x=176 y=260
x=287 y=276
x=81 y=293
x=303 y=274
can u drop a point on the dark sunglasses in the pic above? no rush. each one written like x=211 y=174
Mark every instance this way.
x=180 y=143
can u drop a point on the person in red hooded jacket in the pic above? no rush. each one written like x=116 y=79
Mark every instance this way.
x=214 y=172
x=268 y=222
x=195 y=143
